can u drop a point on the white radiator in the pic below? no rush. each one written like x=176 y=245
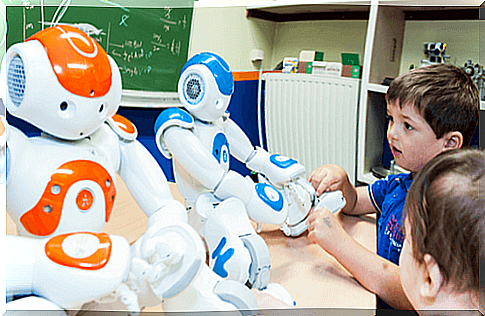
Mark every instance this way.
x=313 y=119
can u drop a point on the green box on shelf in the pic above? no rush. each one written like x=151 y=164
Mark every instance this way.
x=350 y=59
x=350 y=65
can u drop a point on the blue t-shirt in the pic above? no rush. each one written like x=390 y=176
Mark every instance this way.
x=388 y=197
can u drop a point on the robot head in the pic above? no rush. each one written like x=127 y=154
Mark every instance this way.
x=61 y=81
x=205 y=86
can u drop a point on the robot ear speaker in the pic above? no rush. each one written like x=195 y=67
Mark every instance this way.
x=194 y=88
x=16 y=80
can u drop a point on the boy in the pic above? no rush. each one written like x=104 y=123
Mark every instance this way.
x=445 y=233
x=445 y=226
x=431 y=110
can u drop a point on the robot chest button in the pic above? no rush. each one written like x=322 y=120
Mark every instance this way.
x=84 y=200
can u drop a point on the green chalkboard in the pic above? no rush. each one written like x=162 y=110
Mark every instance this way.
x=149 y=44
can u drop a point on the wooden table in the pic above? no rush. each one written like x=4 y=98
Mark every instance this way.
x=314 y=278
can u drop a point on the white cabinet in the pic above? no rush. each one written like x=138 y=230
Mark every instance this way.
x=383 y=52
x=382 y=55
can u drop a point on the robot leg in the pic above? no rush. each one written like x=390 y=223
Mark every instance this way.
x=169 y=264
x=209 y=292
x=236 y=251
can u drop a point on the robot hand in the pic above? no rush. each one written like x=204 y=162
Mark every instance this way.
x=165 y=261
x=277 y=169
x=302 y=199
x=300 y=195
x=333 y=201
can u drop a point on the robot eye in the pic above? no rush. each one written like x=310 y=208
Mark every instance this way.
x=63 y=106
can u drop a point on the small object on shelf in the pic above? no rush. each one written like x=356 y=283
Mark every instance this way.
x=380 y=172
x=327 y=68
x=477 y=73
x=387 y=81
x=305 y=67
x=311 y=55
x=435 y=53
x=350 y=65
x=290 y=65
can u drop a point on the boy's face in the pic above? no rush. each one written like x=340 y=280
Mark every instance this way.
x=413 y=143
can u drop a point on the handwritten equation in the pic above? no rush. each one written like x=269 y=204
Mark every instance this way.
x=142 y=41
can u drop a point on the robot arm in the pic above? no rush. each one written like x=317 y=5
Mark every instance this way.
x=144 y=178
x=175 y=138
x=279 y=170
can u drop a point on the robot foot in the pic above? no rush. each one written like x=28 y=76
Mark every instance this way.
x=260 y=261
x=238 y=295
x=278 y=291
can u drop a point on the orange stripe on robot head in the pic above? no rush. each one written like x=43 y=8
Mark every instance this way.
x=79 y=62
x=44 y=218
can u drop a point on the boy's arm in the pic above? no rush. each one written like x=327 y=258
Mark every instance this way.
x=375 y=273
x=360 y=200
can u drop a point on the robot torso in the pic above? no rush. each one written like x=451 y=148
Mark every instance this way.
x=212 y=137
x=56 y=186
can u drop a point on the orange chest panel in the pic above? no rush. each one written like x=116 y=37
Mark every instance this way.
x=44 y=217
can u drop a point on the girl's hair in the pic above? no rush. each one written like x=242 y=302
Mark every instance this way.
x=445 y=208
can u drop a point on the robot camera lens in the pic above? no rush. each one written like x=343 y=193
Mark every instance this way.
x=63 y=106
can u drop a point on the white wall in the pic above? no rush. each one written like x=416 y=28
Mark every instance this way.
x=330 y=37
x=227 y=32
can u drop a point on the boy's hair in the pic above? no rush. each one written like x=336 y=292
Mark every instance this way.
x=445 y=208
x=444 y=95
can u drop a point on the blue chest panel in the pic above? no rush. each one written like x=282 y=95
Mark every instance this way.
x=220 y=149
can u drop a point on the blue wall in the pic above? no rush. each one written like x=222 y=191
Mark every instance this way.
x=242 y=109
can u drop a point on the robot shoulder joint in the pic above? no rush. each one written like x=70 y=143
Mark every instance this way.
x=168 y=118
x=125 y=129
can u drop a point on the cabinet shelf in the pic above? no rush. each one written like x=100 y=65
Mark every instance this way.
x=373 y=87
x=285 y=11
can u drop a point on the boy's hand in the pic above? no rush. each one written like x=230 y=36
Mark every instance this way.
x=328 y=178
x=325 y=230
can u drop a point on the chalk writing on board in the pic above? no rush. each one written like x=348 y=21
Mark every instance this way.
x=150 y=45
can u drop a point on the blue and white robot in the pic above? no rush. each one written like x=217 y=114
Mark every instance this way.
x=221 y=202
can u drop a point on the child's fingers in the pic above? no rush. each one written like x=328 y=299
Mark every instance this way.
x=327 y=185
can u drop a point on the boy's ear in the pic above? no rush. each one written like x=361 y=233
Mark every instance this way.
x=433 y=279
x=454 y=140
